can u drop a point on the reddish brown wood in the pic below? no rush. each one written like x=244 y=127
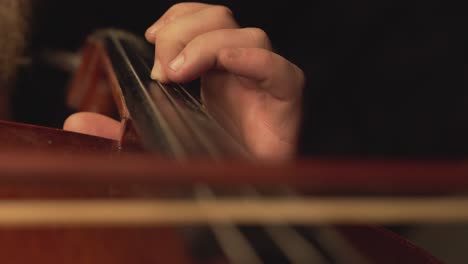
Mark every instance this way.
x=90 y=88
x=82 y=78
x=38 y=162
x=86 y=246
x=312 y=175
x=94 y=87
x=15 y=136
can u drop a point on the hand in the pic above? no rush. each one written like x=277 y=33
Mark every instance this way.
x=254 y=92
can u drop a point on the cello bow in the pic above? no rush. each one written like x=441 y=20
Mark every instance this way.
x=175 y=168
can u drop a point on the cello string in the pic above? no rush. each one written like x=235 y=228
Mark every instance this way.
x=209 y=146
x=235 y=246
x=214 y=153
x=337 y=247
x=203 y=126
x=342 y=251
x=290 y=241
x=190 y=112
x=277 y=235
x=202 y=109
x=294 y=246
x=175 y=145
x=182 y=129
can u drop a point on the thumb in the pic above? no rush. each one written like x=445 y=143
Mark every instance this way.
x=281 y=78
x=93 y=124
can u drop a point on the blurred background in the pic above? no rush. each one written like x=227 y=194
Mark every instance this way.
x=385 y=79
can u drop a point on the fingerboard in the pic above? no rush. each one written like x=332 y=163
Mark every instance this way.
x=168 y=118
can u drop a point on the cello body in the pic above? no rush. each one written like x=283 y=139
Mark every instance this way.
x=39 y=163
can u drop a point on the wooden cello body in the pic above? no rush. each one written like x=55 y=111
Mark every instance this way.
x=43 y=167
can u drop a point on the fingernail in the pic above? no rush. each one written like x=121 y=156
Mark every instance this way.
x=177 y=63
x=156 y=72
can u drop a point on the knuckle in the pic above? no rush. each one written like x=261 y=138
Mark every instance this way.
x=169 y=40
x=222 y=16
x=301 y=76
x=170 y=17
x=168 y=33
x=299 y=79
x=222 y=11
x=264 y=59
x=172 y=13
x=176 y=7
x=259 y=37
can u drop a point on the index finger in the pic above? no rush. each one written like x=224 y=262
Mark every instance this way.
x=172 y=13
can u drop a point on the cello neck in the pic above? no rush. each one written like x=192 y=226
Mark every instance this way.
x=167 y=118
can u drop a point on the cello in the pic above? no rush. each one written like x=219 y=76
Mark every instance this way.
x=177 y=188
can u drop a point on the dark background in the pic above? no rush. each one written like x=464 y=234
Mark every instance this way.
x=383 y=79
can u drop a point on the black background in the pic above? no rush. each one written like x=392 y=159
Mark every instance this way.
x=383 y=79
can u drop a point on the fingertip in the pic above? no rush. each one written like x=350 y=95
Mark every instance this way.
x=157 y=73
x=175 y=71
x=187 y=67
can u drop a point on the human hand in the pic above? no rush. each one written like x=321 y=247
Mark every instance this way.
x=254 y=92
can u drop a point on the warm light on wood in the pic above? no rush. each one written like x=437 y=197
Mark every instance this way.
x=280 y=211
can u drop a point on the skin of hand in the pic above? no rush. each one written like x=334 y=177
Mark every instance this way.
x=255 y=93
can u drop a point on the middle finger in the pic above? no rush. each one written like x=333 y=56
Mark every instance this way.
x=173 y=37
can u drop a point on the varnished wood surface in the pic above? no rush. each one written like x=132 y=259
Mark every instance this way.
x=92 y=246
x=41 y=163
x=325 y=176
x=33 y=138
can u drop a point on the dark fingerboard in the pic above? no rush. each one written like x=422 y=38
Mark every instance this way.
x=168 y=118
